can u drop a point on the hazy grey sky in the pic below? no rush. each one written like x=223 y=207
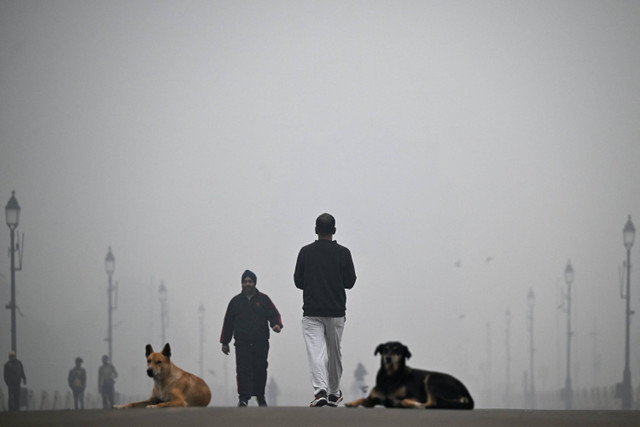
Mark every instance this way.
x=201 y=138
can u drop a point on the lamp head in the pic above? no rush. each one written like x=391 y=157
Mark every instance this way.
x=12 y=212
x=531 y=298
x=568 y=273
x=110 y=263
x=162 y=292
x=629 y=233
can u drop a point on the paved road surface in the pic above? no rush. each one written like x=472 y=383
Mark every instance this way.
x=325 y=417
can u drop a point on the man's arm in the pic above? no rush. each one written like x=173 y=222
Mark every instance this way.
x=349 y=272
x=227 y=328
x=298 y=274
x=24 y=377
x=273 y=315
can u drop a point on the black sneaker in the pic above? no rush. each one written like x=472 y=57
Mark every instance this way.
x=334 y=399
x=242 y=403
x=261 y=401
x=320 y=400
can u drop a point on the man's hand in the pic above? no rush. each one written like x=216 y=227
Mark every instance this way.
x=276 y=328
x=225 y=348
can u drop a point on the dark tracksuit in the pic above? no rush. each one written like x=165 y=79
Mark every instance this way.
x=248 y=321
x=13 y=375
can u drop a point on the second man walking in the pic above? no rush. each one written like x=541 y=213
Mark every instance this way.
x=247 y=320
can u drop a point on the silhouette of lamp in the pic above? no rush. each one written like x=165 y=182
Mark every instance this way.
x=12 y=216
x=110 y=267
x=568 y=278
x=162 y=294
x=628 y=234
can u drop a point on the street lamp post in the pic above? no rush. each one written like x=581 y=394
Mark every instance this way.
x=110 y=267
x=162 y=293
x=568 y=278
x=201 y=319
x=629 y=233
x=531 y=299
x=12 y=216
x=507 y=316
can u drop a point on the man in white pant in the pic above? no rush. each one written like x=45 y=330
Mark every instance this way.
x=324 y=270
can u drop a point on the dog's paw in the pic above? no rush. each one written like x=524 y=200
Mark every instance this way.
x=151 y=406
x=117 y=407
x=412 y=403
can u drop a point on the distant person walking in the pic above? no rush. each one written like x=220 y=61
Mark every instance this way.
x=273 y=391
x=324 y=270
x=247 y=320
x=359 y=388
x=13 y=375
x=77 y=380
x=106 y=380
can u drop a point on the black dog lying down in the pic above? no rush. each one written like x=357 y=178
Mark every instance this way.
x=399 y=386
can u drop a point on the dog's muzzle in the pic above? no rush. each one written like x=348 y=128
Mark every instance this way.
x=150 y=372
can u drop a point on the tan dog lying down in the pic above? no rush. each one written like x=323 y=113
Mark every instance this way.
x=171 y=385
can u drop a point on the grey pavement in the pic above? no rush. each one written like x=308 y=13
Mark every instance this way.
x=326 y=417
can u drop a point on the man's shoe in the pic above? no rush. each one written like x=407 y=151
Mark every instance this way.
x=242 y=403
x=334 y=399
x=261 y=401
x=320 y=400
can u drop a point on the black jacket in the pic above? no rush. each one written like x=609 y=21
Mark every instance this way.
x=14 y=373
x=324 y=270
x=248 y=320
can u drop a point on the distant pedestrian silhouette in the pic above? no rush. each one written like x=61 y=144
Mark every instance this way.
x=273 y=392
x=106 y=379
x=13 y=375
x=359 y=388
x=77 y=380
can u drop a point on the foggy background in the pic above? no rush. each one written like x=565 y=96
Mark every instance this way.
x=467 y=149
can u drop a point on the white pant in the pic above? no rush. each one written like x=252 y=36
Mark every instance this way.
x=322 y=335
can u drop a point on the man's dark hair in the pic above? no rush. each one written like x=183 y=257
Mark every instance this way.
x=325 y=225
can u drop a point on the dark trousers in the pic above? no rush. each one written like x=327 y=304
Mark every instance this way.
x=14 y=398
x=78 y=396
x=107 y=395
x=251 y=369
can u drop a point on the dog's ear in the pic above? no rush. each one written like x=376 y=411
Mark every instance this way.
x=379 y=349
x=148 y=350
x=166 y=351
x=406 y=352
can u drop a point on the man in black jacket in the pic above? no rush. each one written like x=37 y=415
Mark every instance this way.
x=324 y=270
x=13 y=375
x=247 y=320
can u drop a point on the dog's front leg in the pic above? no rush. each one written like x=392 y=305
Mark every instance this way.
x=355 y=403
x=170 y=403
x=141 y=404
x=412 y=403
x=375 y=398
